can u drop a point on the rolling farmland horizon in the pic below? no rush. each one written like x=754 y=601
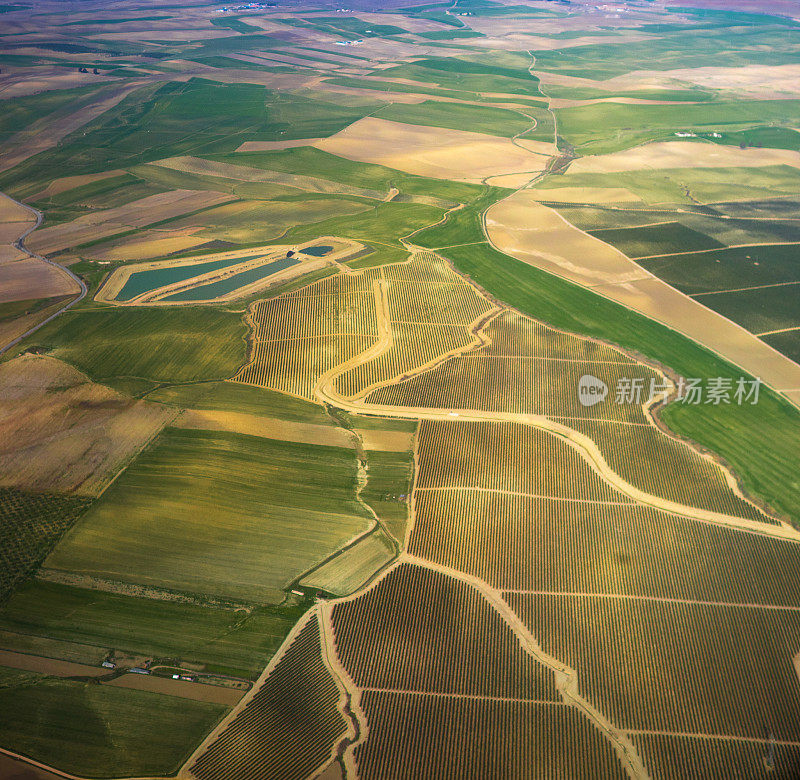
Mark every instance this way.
x=399 y=391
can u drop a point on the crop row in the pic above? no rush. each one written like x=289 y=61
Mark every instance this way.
x=663 y=466
x=678 y=758
x=678 y=667
x=514 y=335
x=312 y=316
x=30 y=526
x=447 y=304
x=290 y=726
x=412 y=346
x=298 y=336
x=423 y=268
x=520 y=543
x=516 y=385
x=434 y=737
x=338 y=284
x=295 y=366
x=420 y=630
x=505 y=456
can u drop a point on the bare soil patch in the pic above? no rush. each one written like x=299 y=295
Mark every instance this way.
x=51 y=666
x=29 y=277
x=62 y=432
x=181 y=688
x=138 y=213
x=431 y=151
x=684 y=154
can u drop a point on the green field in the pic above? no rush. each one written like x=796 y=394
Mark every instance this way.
x=600 y=128
x=728 y=269
x=462 y=226
x=308 y=161
x=689 y=185
x=788 y=343
x=256 y=222
x=103 y=194
x=96 y=730
x=236 y=397
x=218 y=514
x=83 y=625
x=165 y=345
x=195 y=117
x=730 y=41
x=659 y=239
x=388 y=487
x=386 y=223
x=458 y=116
x=470 y=75
x=760 y=311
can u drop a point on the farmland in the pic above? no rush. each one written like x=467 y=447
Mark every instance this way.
x=422 y=647
x=97 y=729
x=754 y=687
x=270 y=541
x=369 y=406
x=296 y=710
x=540 y=740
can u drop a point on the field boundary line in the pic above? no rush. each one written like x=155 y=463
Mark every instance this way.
x=744 y=289
x=659 y=599
x=722 y=737
x=716 y=249
x=780 y=330
x=499 y=491
x=471 y=696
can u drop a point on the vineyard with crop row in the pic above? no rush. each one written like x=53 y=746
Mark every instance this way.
x=423 y=268
x=658 y=464
x=290 y=726
x=514 y=335
x=420 y=630
x=434 y=737
x=300 y=335
x=30 y=526
x=520 y=543
x=678 y=758
x=430 y=311
x=505 y=456
x=517 y=386
x=412 y=346
x=295 y=366
x=663 y=666
x=435 y=304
